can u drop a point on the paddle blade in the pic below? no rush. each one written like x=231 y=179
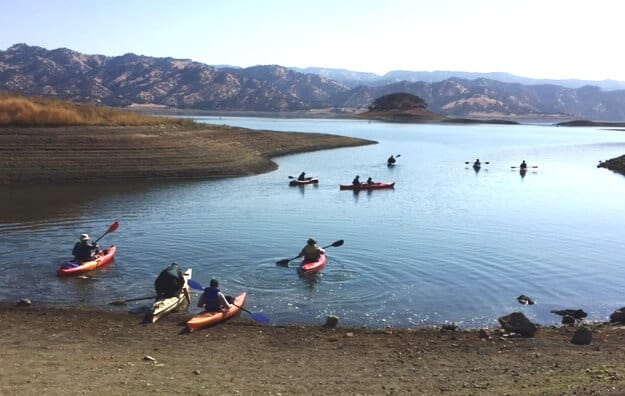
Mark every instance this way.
x=398 y=155
x=283 y=263
x=113 y=227
x=260 y=318
x=195 y=285
x=338 y=243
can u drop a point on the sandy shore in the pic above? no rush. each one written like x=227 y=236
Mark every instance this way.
x=61 y=351
x=92 y=153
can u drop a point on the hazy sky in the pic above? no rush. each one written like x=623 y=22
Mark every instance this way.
x=531 y=38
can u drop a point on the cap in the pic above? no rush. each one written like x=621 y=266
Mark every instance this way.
x=84 y=237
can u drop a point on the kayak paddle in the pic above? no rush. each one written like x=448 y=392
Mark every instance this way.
x=468 y=162
x=256 y=316
x=123 y=302
x=112 y=228
x=533 y=167
x=285 y=262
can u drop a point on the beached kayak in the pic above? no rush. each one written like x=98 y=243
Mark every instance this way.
x=314 y=266
x=367 y=186
x=296 y=182
x=164 y=306
x=72 y=267
x=210 y=318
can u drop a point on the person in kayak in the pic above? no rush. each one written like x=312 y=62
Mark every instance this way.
x=391 y=160
x=83 y=249
x=311 y=252
x=477 y=163
x=213 y=299
x=523 y=165
x=302 y=176
x=356 y=181
x=369 y=180
x=170 y=282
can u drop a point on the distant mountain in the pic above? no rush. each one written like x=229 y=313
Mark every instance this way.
x=353 y=78
x=182 y=83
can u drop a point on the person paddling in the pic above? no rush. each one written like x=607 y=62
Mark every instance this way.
x=311 y=252
x=213 y=299
x=523 y=166
x=369 y=180
x=356 y=181
x=302 y=176
x=477 y=163
x=391 y=160
x=82 y=250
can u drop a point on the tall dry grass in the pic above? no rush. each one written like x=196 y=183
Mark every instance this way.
x=25 y=111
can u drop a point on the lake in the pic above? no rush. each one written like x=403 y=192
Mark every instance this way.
x=448 y=244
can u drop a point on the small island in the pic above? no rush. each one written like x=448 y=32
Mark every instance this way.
x=408 y=108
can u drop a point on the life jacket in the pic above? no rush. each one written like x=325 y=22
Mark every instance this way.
x=211 y=302
x=169 y=282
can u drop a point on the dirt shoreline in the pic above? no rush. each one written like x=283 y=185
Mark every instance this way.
x=76 y=350
x=163 y=152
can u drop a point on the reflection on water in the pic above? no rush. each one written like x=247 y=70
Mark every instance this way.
x=449 y=243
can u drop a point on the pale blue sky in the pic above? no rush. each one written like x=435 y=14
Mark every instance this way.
x=532 y=38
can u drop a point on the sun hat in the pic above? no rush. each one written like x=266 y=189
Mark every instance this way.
x=311 y=241
x=84 y=237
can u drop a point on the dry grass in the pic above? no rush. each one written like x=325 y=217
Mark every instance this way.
x=23 y=111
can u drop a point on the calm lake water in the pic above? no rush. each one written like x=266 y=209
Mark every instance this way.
x=446 y=245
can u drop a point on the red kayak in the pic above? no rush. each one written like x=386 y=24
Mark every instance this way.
x=314 y=266
x=72 y=267
x=367 y=186
x=296 y=182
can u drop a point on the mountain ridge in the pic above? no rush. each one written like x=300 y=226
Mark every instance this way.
x=132 y=79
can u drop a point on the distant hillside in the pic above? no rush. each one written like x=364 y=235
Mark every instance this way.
x=184 y=84
x=353 y=78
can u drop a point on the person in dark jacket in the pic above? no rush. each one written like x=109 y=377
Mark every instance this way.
x=213 y=299
x=302 y=176
x=83 y=249
x=391 y=160
x=311 y=252
x=356 y=181
x=169 y=282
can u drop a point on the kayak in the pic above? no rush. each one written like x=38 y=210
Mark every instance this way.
x=164 y=306
x=73 y=267
x=296 y=182
x=365 y=186
x=210 y=318
x=314 y=266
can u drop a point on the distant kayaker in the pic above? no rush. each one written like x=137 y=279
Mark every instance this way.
x=369 y=180
x=170 y=282
x=213 y=299
x=523 y=165
x=83 y=249
x=311 y=252
x=477 y=163
x=356 y=181
x=391 y=160
x=302 y=176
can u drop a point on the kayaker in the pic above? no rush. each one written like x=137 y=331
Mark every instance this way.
x=391 y=160
x=213 y=299
x=302 y=176
x=356 y=181
x=83 y=249
x=311 y=252
x=523 y=165
x=477 y=163
x=170 y=283
x=369 y=180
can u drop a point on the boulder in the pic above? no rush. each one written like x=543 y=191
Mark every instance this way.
x=518 y=323
x=583 y=336
x=618 y=316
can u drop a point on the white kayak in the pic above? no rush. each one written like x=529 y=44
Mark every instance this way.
x=162 y=307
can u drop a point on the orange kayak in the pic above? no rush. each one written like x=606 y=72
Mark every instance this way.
x=365 y=186
x=210 y=318
x=72 y=267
